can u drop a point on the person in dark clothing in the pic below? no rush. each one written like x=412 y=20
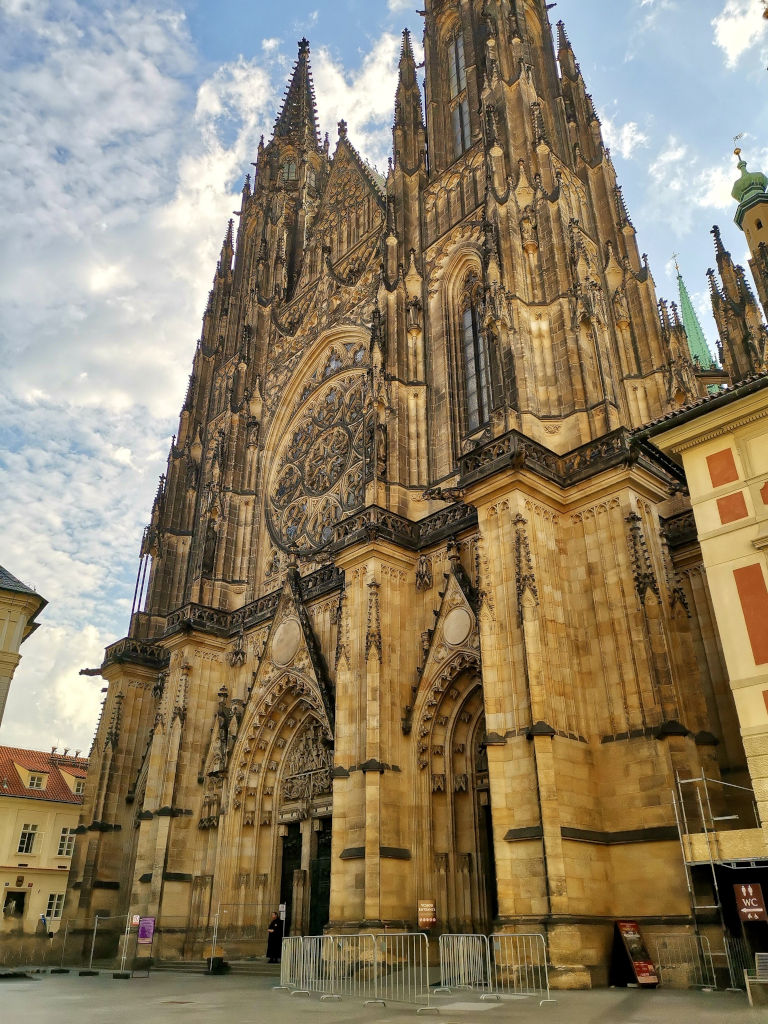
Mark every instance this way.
x=275 y=939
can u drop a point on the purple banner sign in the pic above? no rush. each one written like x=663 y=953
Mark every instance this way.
x=146 y=931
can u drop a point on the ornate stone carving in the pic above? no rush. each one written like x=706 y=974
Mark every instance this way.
x=320 y=471
x=424 y=580
x=309 y=766
x=373 y=629
x=642 y=567
x=224 y=734
x=526 y=578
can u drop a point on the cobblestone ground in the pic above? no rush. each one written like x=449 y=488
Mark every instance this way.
x=69 y=999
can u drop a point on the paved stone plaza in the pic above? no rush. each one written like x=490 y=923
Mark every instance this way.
x=69 y=999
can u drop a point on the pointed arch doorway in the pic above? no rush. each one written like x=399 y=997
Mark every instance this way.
x=305 y=832
x=461 y=812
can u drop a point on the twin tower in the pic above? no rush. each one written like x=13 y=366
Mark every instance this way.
x=417 y=618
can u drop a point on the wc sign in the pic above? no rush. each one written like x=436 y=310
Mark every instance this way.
x=749 y=900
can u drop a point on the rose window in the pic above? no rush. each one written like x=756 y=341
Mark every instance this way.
x=320 y=471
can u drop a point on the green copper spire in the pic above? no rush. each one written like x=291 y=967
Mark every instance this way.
x=751 y=188
x=697 y=342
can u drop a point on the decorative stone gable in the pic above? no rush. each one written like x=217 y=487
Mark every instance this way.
x=292 y=658
x=452 y=648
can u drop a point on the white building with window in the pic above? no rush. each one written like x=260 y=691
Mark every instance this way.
x=19 y=608
x=40 y=799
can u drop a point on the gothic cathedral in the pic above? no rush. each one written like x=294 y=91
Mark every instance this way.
x=418 y=618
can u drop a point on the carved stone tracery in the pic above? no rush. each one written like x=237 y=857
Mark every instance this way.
x=310 y=765
x=320 y=472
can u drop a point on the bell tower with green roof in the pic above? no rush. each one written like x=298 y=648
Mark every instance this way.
x=751 y=193
x=743 y=335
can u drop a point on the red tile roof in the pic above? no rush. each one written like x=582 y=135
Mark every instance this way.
x=42 y=763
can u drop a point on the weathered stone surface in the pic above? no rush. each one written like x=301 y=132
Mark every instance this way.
x=411 y=623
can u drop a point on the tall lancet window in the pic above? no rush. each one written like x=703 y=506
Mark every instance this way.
x=474 y=346
x=457 y=81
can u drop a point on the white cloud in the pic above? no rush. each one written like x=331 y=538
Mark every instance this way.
x=123 y=179
x=124 y=175
x=624 y=139
x=680 y=184
x=739 y=27
x=364 y=97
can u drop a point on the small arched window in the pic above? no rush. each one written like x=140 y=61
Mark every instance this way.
x=288 y=171
x=475 y=355
x=457 y=90
x=759 y=225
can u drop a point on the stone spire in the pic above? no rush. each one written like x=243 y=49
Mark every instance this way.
x=227 y=249
x=297 y=120
x=697 y=342
x=743 y=335
x=409 y=130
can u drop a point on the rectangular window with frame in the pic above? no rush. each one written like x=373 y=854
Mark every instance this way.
x=66 y=842
x=79 y=787
x=36 y=782
x=55 y=906
x=460 y=119
x=27 y=839
x=457 y=64
x=457 y=88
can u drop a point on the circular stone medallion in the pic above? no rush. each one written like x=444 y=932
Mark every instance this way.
x=458 y=624
x=285 y=642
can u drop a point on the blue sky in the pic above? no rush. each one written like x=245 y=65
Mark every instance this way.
x=125 y=131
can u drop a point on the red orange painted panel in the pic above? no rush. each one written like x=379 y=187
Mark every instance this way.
x=764 y=493
x=722 y=467
x=753 y=594
x=732 y=508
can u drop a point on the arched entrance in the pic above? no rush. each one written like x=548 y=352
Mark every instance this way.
x=278 y=802
x=458 y=863
x=304 y=823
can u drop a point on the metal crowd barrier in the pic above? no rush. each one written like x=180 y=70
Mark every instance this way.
x=739 y=958
x=465 y=963
x=354 y=967
x=688 y=955
x=520 y=966
x=292 y=964
x=401 y=972
x=394 y=967
x=383 y=968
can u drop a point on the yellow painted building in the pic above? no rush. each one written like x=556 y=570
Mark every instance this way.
x=41 y=795
x=19 y=608
x=722 y=443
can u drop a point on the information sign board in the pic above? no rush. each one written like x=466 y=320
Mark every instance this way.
x=146 y=931
x=750 y=902
x=427 y=913
x=642 y=965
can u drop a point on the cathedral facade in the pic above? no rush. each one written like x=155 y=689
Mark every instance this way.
x=417 y=617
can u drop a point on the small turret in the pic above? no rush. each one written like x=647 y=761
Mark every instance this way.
x=297 y=120
x=743 y=336
x=409 y=130
x=227 y=249
x=565 y=54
